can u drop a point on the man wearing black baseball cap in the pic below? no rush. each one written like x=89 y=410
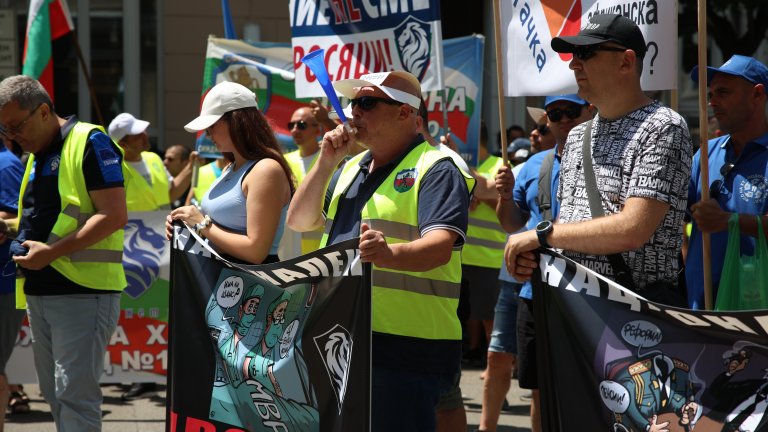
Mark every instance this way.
x=738 y=168
x=640 y=152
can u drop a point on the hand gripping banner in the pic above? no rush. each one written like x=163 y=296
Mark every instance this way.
x=612 y=361
x=277 y=347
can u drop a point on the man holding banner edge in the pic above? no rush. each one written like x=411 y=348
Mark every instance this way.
x=414 y=242
x=642 y=155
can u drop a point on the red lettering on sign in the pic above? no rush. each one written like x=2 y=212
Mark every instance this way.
x=298 y=54
x=389 y=55
x=354 y=13
x=338 y=11
x=345 y=58
x=328 y=53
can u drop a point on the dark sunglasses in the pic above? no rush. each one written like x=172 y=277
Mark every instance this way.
x=572 y=112
x=301 y=124
x=586 y=52
x=367 y=103
x=717 y=186
x=543 y=129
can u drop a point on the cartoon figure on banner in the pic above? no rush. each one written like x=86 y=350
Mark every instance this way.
x=256 y=352
x=260 y=364
x=639 y=389
x=142 y=255
x=744 y=401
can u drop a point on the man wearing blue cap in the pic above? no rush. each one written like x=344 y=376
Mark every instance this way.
x=738 y=167
x=530 y=196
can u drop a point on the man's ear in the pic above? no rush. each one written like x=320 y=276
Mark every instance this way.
x=406 y=111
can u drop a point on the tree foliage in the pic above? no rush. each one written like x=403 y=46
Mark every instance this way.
x=735 y=26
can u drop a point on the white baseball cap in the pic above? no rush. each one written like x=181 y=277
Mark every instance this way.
x=126 y=124
x=224 y=97
x=398 y=85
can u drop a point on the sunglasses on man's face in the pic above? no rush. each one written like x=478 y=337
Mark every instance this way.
x=586 y=52
x=301 y=124
x=572 y=112
x=367 y=103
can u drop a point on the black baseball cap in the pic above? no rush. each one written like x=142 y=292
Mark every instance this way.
x=604 y=28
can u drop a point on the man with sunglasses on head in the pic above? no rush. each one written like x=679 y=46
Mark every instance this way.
x=521 y=203
x=69 y=247
x=641 y=155
x=738 y=168
x=408 y=202
x=305 y=131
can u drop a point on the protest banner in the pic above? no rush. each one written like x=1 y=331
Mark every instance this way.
x=463 y=74
x=269 y=347
x=367 y=37
x=138 y=350
x=532 y=68
x=266 y=69
x=612 y=361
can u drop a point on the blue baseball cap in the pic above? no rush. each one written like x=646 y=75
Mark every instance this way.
x=566 y=97
x=740 y=66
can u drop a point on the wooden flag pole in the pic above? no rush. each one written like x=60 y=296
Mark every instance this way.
x=704 y=149
x=80 y=57
x=500 y=79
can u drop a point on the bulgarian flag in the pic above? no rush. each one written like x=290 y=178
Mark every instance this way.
x=48 y=20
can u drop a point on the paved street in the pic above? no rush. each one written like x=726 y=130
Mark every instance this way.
x=148 y=415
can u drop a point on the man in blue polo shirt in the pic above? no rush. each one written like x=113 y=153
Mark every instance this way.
x=738 y=168
x=519 y=203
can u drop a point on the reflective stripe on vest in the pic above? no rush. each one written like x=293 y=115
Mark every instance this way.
x=485 y=236
x=310 y=240
x=100 y=265
x=142 y=196
x=413 y=304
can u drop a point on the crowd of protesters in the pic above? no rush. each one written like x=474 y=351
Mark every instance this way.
x=453 y=251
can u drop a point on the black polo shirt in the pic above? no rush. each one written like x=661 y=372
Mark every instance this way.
x=102 y=162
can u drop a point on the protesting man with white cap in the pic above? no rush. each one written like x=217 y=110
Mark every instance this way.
x=150 y=186
x=69 y=247
x=738 y=167
x=408 y=203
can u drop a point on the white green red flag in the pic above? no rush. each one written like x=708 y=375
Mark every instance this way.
x=47 y=21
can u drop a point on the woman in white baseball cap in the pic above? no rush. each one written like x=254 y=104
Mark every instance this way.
x=243 y=213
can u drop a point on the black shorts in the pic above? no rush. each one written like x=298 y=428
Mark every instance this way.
x=526 y=346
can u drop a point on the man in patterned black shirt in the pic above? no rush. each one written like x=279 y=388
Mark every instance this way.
x=641 y=153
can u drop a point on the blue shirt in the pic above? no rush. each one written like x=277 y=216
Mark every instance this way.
x=744 y=190
x=11 y=172
x=527 y=190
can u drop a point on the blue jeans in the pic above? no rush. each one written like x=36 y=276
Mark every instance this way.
x=70 y=334
x=405 y=401
x=504 y=333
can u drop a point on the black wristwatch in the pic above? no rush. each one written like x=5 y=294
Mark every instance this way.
x=543 y=229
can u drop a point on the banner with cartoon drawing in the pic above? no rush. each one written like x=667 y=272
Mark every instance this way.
x=533 y=68
x=269 y=347
x=138 y=350
x=361 y=38
x=611 y=361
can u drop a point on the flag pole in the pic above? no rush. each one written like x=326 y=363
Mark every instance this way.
x=499 y=79
x=704 y=149
x=87 y=75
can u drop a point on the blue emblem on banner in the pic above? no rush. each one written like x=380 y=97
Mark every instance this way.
x=414 y=45
x=143 y=251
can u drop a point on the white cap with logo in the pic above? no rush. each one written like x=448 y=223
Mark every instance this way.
x=224 y=97
x=126 y=124
x=408 y=93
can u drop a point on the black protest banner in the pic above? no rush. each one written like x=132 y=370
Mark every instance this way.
x=611 y=361
x=268 y=347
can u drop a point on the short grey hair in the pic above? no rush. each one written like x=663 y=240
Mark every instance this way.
x=26 y=91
